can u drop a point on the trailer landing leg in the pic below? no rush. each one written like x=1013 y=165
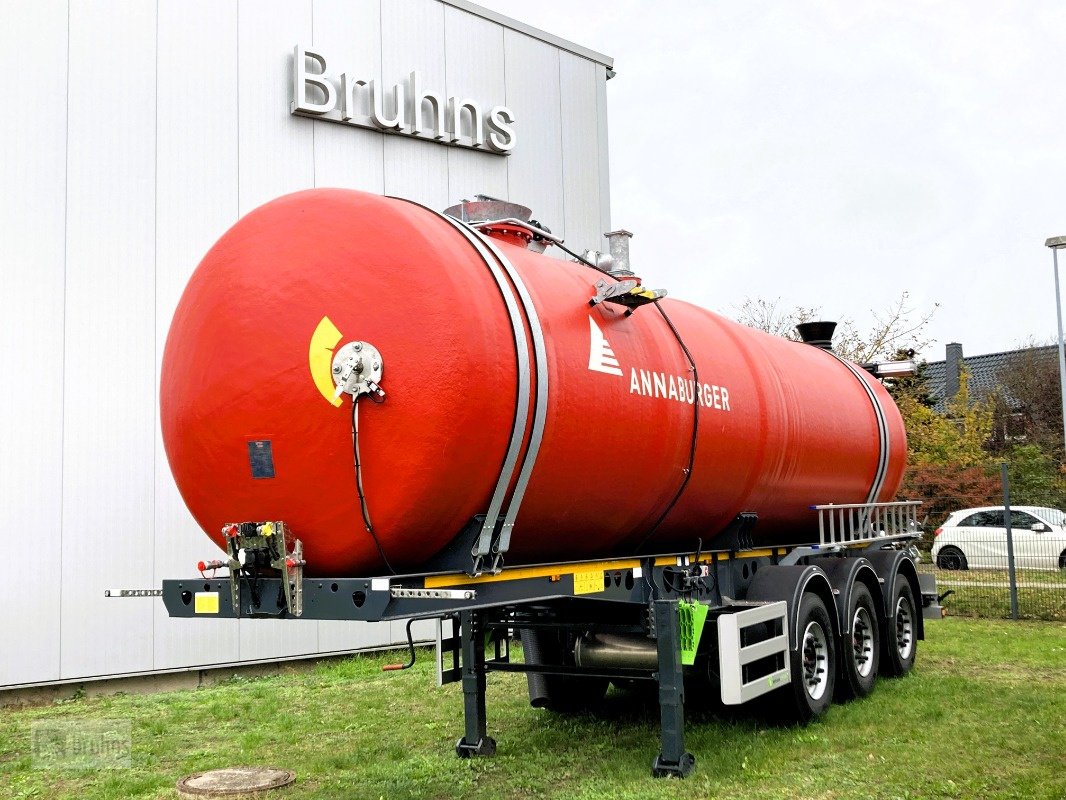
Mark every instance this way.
x=476 y=742
x=673 y=760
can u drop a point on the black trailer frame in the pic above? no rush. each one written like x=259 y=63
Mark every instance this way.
x=638 y=597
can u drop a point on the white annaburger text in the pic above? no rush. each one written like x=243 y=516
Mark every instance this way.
x=659 y=384
x=650 y=383
x=363 y=103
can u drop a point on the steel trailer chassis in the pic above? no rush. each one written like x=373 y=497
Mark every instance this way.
x=635 y=597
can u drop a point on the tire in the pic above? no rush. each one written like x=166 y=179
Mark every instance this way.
x=860 y=654
x=1062 y=560
x=813 y=665
x=900 y=642
x=951 y=558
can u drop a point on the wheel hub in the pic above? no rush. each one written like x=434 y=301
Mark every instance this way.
x=862 y=642
x=815 y=656
x=904 y=628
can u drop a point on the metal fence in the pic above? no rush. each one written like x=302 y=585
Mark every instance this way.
x=996 y=559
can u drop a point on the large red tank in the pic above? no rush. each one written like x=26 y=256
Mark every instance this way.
x=781 y=425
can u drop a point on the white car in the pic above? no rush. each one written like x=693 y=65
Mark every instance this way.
x=976 y=538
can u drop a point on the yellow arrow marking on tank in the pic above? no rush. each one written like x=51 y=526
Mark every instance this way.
x=320 y=358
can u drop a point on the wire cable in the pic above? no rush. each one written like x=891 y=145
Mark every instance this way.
x=695 y=402
x=584 y=261
x=359 y=485
x=695 y=428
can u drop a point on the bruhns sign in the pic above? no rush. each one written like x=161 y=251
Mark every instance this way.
x=408 y=108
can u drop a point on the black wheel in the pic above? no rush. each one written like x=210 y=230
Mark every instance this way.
x=1062 y=560
x=814 y=665
x=951 y=558
x=861 y=654
x=900 y=643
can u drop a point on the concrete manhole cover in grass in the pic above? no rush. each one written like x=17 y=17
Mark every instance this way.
x=233 y=782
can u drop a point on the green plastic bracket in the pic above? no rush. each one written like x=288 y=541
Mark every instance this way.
x=691 y=617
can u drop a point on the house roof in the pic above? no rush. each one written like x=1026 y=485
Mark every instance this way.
x=984 y=371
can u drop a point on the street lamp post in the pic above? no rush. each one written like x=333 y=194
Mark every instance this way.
x=1057 y=243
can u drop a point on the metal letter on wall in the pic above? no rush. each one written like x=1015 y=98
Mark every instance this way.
x=302 y=81
x=398 y=109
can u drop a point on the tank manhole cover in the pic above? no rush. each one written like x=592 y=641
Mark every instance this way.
x=233 y=782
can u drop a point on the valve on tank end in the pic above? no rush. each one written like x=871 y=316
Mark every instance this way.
x=357 y=370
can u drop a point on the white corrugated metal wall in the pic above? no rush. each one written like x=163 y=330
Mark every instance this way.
x=133 y=135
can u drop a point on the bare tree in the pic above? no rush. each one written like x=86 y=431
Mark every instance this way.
x=769 y=316
x=1027 y=401
x=898 y=327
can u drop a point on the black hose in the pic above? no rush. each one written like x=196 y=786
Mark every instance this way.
x=695 y=403
x=579 y=258
x=695 y=429
x=533 y=645
x=359 y=485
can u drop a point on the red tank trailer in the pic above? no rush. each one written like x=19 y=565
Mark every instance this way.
x=253 y=430
x=437 y=421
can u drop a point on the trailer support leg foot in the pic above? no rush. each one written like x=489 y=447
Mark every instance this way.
x=483 y=747
x=475 y=742
x=684 y=768
x=673 y=760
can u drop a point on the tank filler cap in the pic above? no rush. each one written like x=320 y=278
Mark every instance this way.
x=357 y=370
x=487 y=209
x=504 y=220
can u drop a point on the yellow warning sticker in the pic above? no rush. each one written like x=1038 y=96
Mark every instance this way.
x=320 y=358
x=206 y=603
x=588 y=582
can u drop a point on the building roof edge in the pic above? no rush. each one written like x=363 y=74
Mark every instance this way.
x=529 y=30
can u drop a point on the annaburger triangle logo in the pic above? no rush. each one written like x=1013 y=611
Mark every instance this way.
x=653 y=383
x=601 y=356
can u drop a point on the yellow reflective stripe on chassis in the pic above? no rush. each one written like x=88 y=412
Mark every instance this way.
x=524 y=573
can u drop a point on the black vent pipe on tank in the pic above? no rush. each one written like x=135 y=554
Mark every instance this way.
x=817 y=334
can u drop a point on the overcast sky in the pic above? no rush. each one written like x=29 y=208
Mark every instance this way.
x=836 y=153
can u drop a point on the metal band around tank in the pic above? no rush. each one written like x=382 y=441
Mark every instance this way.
x=540 y=408
x=521 y=418
x=484 y=247
x=882 y=431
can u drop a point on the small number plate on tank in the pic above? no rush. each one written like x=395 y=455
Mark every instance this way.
x=261 y=458
x=588 y=582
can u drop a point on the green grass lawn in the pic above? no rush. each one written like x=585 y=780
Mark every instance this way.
x=982 y=715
